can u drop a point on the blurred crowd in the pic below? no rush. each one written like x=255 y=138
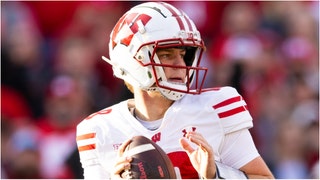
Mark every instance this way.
x=52 y=77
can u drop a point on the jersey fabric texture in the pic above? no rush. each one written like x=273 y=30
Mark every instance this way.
x=216 y=114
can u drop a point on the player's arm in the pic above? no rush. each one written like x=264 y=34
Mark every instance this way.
x=257 y=169
x=239 y=151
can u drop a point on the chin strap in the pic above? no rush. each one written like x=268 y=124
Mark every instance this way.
x=171 y=93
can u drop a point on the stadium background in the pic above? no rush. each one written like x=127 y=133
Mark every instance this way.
x=52 y=77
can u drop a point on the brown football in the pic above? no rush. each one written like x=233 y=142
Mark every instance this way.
x=149 y=160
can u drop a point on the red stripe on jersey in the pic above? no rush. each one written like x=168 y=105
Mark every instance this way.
x=175 y=15
x=86 y=136
x=227 y=102
x=87 y=147
x=232 y=112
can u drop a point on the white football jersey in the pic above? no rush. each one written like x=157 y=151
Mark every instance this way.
x=214 y=113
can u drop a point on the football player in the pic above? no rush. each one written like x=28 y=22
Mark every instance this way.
x=156 y=49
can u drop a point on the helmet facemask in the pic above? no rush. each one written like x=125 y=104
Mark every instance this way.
x=173 y=90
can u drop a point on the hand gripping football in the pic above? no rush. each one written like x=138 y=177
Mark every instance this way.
x=149 y=161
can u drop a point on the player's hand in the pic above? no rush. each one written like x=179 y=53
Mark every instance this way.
x=123 y=162
x=201 y=158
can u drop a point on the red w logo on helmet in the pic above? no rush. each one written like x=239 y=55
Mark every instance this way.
x=126 y=28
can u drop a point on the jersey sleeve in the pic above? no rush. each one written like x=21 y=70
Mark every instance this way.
x=232 y=110
x=231 y=153
x=87 y=141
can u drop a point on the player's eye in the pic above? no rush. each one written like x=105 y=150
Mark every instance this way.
x=167 y=55
x=183 y=54
x=163 y=55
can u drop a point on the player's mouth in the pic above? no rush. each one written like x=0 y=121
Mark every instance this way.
x=176 y=80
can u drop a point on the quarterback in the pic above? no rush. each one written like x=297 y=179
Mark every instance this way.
x=156 y=49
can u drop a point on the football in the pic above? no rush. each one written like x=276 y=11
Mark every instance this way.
x=149 y=161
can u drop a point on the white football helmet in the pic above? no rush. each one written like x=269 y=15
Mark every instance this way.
x=135 y=39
